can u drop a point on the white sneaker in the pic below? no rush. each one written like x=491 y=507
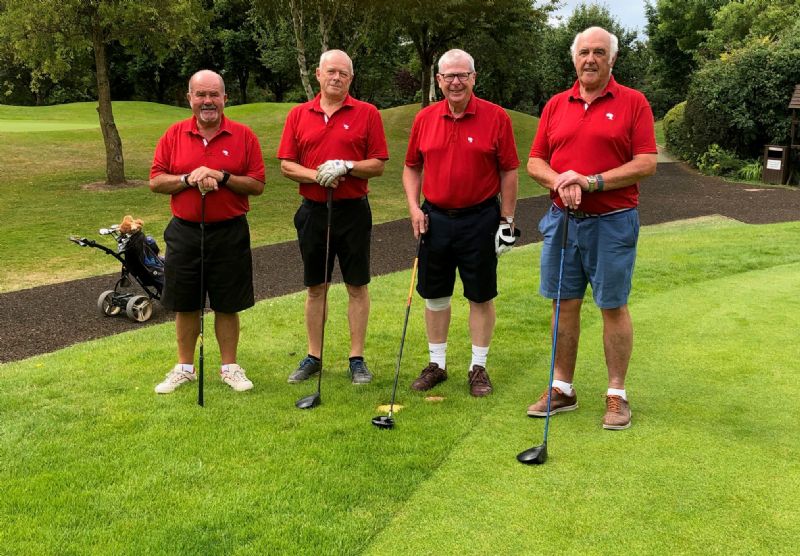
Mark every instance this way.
x=175 y=378
x=235 y=378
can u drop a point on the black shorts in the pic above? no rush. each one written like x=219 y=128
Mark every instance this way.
x=462 y=240
x=228 y=266
x=351 y=231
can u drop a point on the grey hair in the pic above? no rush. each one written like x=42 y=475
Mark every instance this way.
x=218 y=76
x=612 y=39
x=328 y=53
x=453 y=55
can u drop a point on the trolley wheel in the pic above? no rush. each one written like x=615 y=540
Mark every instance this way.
x=105 y=303
x=139 y=308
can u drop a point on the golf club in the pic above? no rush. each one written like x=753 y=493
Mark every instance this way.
x=314 y=399
x=538 y=454
x=387 y=421
x=202 y=292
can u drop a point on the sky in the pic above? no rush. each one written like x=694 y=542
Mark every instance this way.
x=630 y=13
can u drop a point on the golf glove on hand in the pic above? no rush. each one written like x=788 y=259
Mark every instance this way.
x=328 y=173
x=505 y=238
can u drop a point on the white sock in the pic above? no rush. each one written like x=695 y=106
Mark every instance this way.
x=479 y=355
x=617 y=392
x=226 y=368
x=187 y=368
x=565 y=387
x=438 y=354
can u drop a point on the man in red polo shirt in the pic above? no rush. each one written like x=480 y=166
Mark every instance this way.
x=594 y=144
x=334 y=141
x=222 y=159
x=461 y=155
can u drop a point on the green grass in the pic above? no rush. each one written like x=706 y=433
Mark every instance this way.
x=43 y=168
x=92 y=461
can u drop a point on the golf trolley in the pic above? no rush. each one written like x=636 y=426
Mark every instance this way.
x=139 y=257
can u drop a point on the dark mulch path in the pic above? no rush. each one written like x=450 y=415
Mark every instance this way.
x=47 y=318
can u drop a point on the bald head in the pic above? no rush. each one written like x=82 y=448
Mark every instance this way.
x=597 y=33
x=205 y=77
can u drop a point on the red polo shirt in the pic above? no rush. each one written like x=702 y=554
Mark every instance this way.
x=234 y=148
x=591 y=139
x=353 y=132
x=462 y=158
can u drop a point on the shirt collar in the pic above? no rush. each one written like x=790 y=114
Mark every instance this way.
x=611 y=89
x=223 y=127
x=472 y=105
x=317 y=107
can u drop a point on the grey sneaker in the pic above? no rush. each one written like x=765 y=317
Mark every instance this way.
x=305 y=369
x=175 y=378
x=359 y=372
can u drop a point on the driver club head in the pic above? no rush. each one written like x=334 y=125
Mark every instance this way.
x=533 y=456
x=309 y=402
x=383 y=422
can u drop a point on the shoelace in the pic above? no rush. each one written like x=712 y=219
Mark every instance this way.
x=614 y=404
x=237 y=376
x=480 y=377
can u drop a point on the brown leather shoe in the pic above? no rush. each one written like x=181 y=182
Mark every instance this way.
x=618 y=414
x=429 y=377
x=559 y=402
x=479 y=383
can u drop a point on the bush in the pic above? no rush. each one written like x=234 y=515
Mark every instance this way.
x=676 y=133
x=717 y=161
x=750 y=171
x=740 y=101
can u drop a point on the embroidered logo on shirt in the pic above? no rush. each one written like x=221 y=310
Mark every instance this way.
x=346 y=126
x=225 y=152
x=470 y=139
x=609 y=115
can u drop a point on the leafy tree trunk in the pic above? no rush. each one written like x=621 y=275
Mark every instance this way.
x=115 y=165
x=300 y=45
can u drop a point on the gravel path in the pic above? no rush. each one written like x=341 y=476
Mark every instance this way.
x=47 y=318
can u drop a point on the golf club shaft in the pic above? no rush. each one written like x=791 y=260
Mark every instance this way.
x=329 y=203
x=405 y=325
x=555 y=323
x=200 y=401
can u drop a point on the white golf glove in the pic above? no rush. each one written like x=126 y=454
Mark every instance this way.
x=505 y=238
x=328 y=173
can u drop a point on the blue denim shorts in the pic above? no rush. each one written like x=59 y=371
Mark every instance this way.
x=600 y=251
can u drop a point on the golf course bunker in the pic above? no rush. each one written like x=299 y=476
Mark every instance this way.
x=387 y=408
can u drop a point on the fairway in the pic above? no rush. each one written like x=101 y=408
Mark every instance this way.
x=34 y=126
x=92 y=461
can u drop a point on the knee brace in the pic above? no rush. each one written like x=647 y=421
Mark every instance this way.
x=438 y=304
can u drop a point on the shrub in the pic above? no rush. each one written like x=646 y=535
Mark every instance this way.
x=750 y=171
x=717 y=161
x=740 y=100
x=676 y=133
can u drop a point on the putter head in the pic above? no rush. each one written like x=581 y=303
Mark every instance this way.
x=308 y=402
x=383 y=422
x=533 y=456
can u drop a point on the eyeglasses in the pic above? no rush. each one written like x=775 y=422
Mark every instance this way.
x=450 y=77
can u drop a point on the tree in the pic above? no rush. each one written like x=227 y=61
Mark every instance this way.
x=53 y=37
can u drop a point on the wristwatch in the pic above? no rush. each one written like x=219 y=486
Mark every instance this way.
x=592 y=183
x=349 y=165
x=225 y=177
x=185 y=180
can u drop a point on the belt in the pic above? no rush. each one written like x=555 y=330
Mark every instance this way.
x=213 y=225
x=338 y=202
x=455 y=213
x=580 y=215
